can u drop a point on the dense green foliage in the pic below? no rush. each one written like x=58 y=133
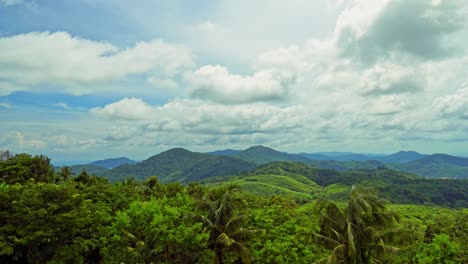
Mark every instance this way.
x=157 y=230
x=23 y=167
x=48 y=217
x=266 y=183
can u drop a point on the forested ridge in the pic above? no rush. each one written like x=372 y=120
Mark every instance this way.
x=59 y=217
x=180 y=164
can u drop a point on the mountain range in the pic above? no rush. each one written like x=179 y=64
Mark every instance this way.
x=265 y=171
x=179 y=164
x=431 y=166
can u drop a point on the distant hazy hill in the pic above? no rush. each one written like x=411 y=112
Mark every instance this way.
x=345 y=165
x=113 y=162
x=316 y=156
x=263 y=155
x=444 y=158
x=437 y=165
x=401 y=157
x=431 y=166
x=179 y=164
x=225 y=152
x=339 y=156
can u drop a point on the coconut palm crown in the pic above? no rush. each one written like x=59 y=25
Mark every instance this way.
x=224 y=223
x=357 y=233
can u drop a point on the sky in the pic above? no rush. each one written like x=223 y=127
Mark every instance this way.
x=82 y=80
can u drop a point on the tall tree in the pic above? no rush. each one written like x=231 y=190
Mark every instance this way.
x=225 y=224
x=23 y=167
x=356 y=234
x=66 y=172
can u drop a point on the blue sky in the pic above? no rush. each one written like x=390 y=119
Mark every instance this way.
x=83 y=80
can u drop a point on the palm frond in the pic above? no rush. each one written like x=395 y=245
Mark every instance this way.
x=203 y=219
x=336 y=256
x=351 y=241
x=243 y=253
x=235 y=223
x=338 y=235
x=381 y=249
x=329 y=242
x=225 y=240
x=243 y=235
x=363 y=226
x=326 y=260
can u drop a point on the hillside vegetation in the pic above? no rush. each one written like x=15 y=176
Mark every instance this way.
x=291 y=178
x=49 y=217
x=180 y=165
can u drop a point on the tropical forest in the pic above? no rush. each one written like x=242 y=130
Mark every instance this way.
x=276 y=212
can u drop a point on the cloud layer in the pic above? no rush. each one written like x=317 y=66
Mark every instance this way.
x=383 y=76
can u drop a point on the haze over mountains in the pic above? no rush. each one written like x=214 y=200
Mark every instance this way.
x=402 y=177
x=99 y=167
x=113 y=162
x=182 y=165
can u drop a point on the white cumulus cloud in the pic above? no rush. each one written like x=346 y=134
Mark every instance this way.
x=216 y=83
x=125 y=109
x=75 y=63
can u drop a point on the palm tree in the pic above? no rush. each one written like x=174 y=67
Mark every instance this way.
x=356 y=234
x=66 y=172
x=224 y=222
